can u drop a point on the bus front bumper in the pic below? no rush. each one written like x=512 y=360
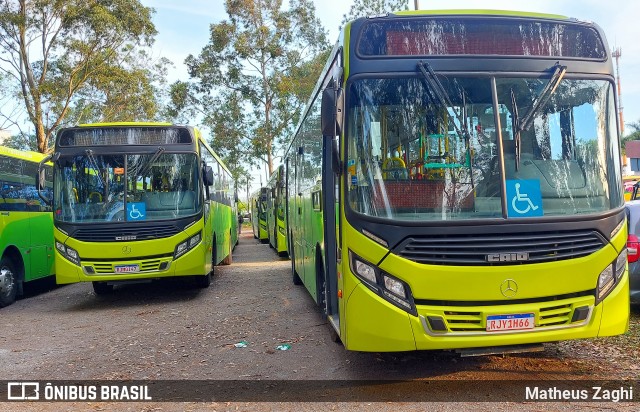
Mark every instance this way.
x=191 y=263
x=375 y=325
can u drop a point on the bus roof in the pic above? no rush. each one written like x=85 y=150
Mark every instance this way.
x=22 y=154
x=124 y=124
x=198 y=135
x=483 y=12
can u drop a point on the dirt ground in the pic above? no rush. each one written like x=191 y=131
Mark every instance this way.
x=171 y=330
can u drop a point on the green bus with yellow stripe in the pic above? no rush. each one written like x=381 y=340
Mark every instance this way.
x=455 y=183
x=258 y=203
x=276 y=223
x=139 y=201
x=26 y=226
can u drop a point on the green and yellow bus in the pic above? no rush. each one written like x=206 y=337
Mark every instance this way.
x=139 y=201
x=26 y=226
x=259 y=215
x=471 y=161
x=276 y=212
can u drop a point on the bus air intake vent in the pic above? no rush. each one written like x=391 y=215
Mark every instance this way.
x=488 y=249
x=122 y=234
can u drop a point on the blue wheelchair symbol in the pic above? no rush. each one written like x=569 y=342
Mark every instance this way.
x=136 y=211
x=524 y=198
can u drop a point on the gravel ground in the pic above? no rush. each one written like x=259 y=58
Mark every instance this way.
x=171 y=330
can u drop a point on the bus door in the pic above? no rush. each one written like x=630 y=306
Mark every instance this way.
x=298 y=234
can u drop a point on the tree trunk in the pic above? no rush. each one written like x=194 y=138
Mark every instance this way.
x=41 y=136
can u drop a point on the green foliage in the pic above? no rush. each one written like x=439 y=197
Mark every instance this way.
x=252 y=78
x=22 y=141
x=363 y=8
x=78 y=60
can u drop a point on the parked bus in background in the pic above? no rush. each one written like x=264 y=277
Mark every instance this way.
x=139 y=201
x=259 y=215
x=276 y=212
x=471 y=161
x=26 y=226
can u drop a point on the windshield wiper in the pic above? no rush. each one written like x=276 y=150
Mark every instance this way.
x=441 y=94
x=95 y=165
x=515 y=128
x=544 y=96
x=443 y=97
x=541 y=100
x=145 y=168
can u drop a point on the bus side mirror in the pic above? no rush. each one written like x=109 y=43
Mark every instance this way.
x=331 y=111
x=40 y=179
x=207 y=176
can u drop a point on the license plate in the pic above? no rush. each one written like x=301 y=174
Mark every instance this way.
x=127 y=268
x=510 y=322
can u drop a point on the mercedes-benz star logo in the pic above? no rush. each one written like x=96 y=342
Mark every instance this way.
x=509 y=288
x=126 y=250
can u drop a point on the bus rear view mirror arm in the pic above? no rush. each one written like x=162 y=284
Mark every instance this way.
x=332 y=110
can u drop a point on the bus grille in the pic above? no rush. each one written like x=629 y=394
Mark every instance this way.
x=145 y=266
x=468 y=250
x=115 y=234
x=471 y=321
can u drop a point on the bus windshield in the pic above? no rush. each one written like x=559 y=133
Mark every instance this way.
x=132 y=187
x=424 y=150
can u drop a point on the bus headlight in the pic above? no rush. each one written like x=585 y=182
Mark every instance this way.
x=383 y=284
x=187 y=245
x=364 y=270
x=394 y=286
x=194 y=240
x=69 y=253
x=611 y=276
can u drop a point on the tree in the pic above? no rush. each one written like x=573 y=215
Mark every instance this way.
x=22 y=141
x=246 y=78
x=56 y=50
x=363 y=8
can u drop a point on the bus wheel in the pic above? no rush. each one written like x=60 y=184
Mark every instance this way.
x=102 y=288
x=296 y=278
x=203 y=281
x=8 y=283
x=334 y=335
x=320 y=284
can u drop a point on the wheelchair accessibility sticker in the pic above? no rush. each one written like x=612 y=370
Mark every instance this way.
x=136 y=211
x=524 y=198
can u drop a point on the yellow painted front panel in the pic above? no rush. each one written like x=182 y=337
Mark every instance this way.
x=462 y=283
x=375 y=325
x=616 y=310
x=370 y=323
x=103 y=256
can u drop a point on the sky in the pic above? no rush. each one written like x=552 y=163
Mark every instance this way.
x=183 y=29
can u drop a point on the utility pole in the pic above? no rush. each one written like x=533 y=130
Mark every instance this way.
x=415 y=4
x=617 y=53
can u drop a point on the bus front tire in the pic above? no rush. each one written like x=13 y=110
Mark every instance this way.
x=8 y=283
x=204 y=281
x=102 y=288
